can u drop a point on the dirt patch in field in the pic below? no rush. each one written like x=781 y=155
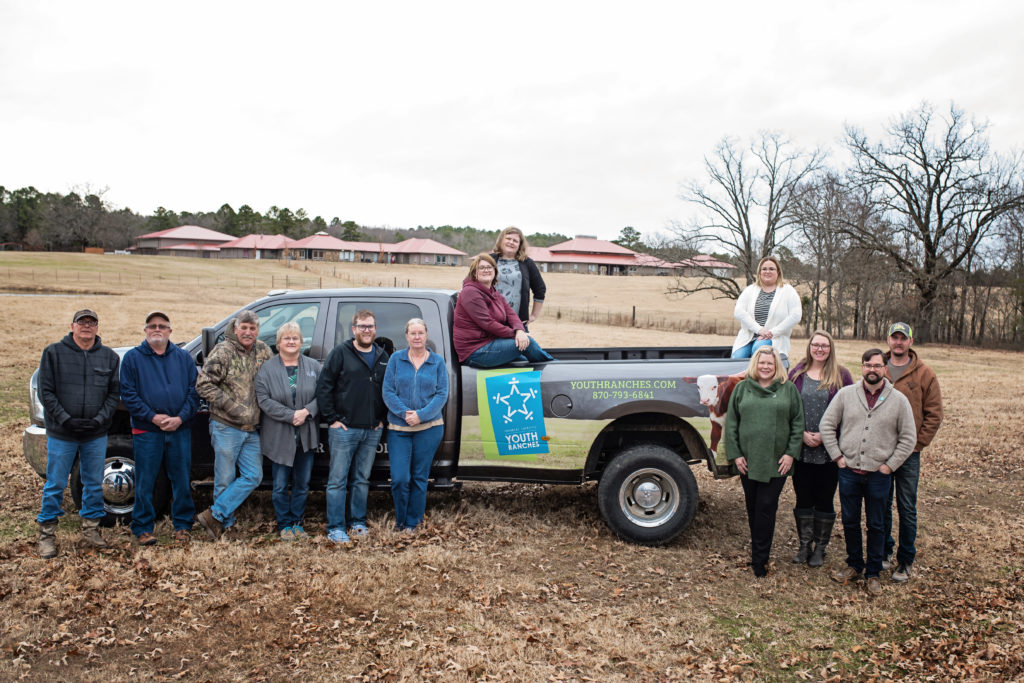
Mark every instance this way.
x=514 y=582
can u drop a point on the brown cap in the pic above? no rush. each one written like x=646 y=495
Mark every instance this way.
x=154 y=314
x=85 y=313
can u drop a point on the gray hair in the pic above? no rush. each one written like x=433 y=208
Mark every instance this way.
x=286 y=328
x=247 y=316
x=415 y=321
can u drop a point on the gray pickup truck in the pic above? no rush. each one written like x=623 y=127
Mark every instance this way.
x=632 y=419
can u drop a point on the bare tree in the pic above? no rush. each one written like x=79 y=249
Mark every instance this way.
x=939 y=189
x=747 y=207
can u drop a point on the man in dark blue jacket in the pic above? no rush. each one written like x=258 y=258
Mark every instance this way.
x=78 y=388
x=158 y=386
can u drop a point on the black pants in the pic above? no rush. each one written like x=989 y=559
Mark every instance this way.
x=762 y=503
x=815 y=486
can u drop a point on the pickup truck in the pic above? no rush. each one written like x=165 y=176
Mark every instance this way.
x=629 y=418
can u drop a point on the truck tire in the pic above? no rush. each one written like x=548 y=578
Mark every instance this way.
x=647 y=495
x=119 y=486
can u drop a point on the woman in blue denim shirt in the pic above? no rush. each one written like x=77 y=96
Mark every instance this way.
x=415 y=391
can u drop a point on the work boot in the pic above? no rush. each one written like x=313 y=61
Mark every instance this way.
x=214 y=527
x=48 y=539
x=823 y=523
x=91 y=533
x=804 y=531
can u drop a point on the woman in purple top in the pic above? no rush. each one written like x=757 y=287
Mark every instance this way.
x=815 y=477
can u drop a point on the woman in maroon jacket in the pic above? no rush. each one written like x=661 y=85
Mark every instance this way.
x=488 y=333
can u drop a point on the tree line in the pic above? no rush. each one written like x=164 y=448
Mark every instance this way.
x=30 y=219
x=924 y=224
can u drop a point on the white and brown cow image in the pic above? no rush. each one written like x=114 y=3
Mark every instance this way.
x=714 y=394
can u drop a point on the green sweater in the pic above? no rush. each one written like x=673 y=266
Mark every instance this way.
x=763 y=425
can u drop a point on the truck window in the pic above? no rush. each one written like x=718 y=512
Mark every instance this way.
x=391 y=318
x=302 y=312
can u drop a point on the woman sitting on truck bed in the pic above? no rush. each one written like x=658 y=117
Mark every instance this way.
x=488 y=333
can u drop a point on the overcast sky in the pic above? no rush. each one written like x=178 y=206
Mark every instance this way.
x=571 y=117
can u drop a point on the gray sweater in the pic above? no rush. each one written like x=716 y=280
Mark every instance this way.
x=868 y=439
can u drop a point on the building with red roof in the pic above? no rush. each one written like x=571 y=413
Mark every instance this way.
x=184 y=240
x=428 y=252
x=257 y=247
x=586 y=254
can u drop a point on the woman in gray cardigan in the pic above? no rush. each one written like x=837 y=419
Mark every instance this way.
x=286 y=392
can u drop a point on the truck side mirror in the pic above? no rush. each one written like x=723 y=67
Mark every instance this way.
x=209 y=340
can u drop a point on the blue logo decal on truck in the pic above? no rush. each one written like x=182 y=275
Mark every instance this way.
x=510 y=403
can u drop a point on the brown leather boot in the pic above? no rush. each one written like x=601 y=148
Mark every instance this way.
x=48 y=539
x=91 y=534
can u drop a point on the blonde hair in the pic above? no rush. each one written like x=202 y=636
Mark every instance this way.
x=415 y=321
x=286 y=328
x=520 y=254
x=778 y=266
x=832 y=373
x=780 y=372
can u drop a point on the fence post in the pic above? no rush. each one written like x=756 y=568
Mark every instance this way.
x=634 y=316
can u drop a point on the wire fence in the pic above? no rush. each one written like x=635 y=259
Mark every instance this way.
x=643 y=320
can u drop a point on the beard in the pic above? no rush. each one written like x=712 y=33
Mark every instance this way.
x=872 y=377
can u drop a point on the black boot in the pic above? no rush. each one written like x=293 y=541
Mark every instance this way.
x=804 y=530
x=823 y=523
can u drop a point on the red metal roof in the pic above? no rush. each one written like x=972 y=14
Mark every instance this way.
x=591 y=245
x=190 y=232
x=422 y=245
x=259 y=242
x=190 y=246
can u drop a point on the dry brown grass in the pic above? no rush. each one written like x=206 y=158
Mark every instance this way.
x=508 y=582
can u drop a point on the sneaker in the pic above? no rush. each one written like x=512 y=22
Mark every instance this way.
x=338 y=536
x=146 y=539
x=359 y=530
x=846 y=575
x=287 y=534
x=299 y=533
x=214 y=527
x=902 y=574
x=182 y=536
x=887 y=562
x=874 y=587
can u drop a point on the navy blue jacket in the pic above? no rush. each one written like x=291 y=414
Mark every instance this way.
x=152 y=384
x=348 y=390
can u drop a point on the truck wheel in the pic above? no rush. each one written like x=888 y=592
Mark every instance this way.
x=647 y=495
x=119 y=487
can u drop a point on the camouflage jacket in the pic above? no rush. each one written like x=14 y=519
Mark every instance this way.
x=227 y=382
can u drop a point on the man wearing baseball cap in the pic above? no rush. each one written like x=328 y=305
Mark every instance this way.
x=79 y=390
x=158 y=386
x=918 y=383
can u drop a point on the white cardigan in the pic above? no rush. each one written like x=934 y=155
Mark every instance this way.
x=784 y=314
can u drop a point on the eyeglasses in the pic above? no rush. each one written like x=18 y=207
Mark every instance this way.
x=86 y=322
x=365 y=328
x=872 y=366
x=821 y=346
x=291 y=339
x=484 y=269
x=158 y=327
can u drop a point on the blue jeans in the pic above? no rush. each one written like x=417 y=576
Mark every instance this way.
x=174 y=451
x=237 y=469
x=348 y=483
x=872 y=489
x=904 y=489
x=60 y=456
x=289 y=507
x=410 y=455
x=748 y=350
x=504 y=351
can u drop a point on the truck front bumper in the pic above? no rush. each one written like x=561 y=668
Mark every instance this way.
x=33 y=443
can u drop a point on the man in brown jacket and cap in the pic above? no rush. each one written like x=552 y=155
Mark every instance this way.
x=918 y=383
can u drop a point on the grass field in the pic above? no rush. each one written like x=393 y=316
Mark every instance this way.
x=505 y=582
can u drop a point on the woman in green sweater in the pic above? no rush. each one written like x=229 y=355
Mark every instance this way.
x=763 y=432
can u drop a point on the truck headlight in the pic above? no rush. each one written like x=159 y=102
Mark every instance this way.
x=35 y=407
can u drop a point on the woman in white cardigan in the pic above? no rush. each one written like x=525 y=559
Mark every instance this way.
x=768 y=310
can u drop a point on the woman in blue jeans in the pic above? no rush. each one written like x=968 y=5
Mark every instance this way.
x=415 y=392
x=486 y=331
x=286 y=392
